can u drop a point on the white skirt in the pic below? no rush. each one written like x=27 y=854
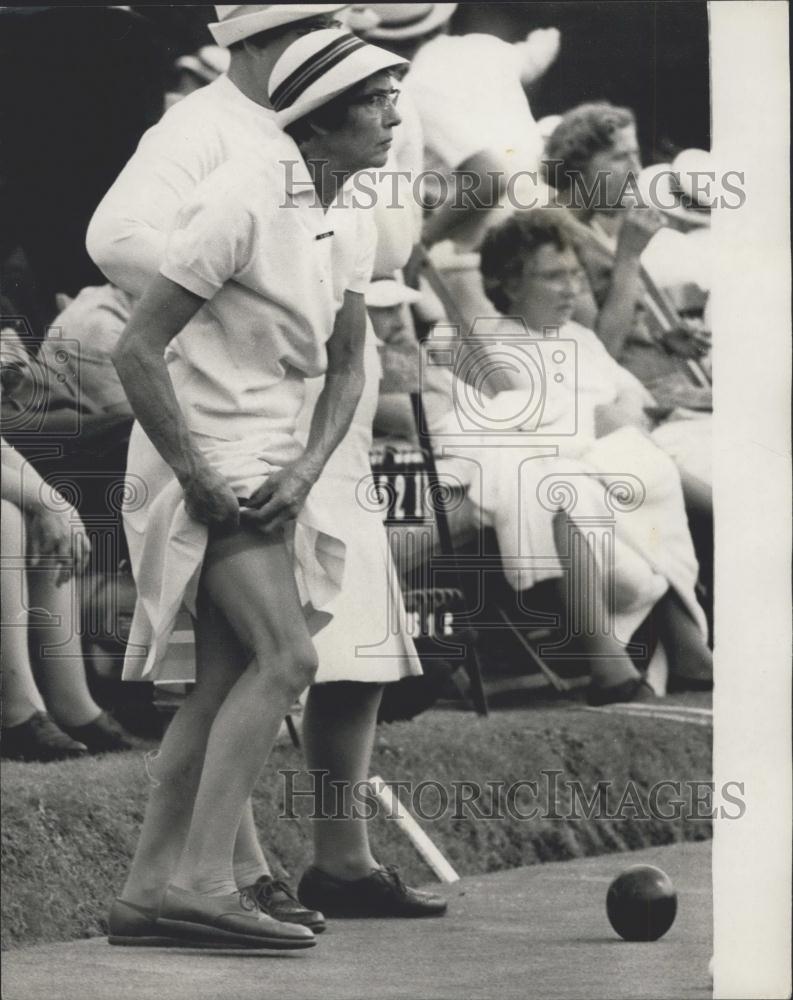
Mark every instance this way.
x=653 y=550
x=167 y=547
x=368 y=637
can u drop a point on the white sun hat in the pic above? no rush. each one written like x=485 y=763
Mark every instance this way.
x=238 y=21
x=384 y=293
x=320 y=66
x=406 y=20
x=668 y=188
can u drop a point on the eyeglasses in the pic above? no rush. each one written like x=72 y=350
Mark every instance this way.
x=380 y=100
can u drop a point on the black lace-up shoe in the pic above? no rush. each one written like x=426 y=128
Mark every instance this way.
x=380 y=894
x=39 y=738
x=274 y=897
x=103 y=735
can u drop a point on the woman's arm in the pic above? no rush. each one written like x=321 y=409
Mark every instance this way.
x=477 y=185
x=617 y=314
x=139 y=357
x=20 y=484
x=54 y=527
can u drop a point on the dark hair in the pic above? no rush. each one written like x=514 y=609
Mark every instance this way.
x=506 y=247
x=582 y=132
x=331 y=115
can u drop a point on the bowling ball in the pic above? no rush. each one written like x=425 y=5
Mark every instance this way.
x=641 y=903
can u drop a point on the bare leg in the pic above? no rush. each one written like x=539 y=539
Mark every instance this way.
x=689 y=656
x=249 y=860
x=57 y=649
x=697 y=494
x=21 y=698
x=250 y=578
x=174 y=772
x=338 y=733
x=610 y=663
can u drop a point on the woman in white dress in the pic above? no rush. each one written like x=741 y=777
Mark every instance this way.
x=591 y=415
x=261 y=287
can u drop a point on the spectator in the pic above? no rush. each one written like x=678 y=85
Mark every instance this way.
x=48 y=712
x=469 y=129
x=594 y=149
x=387 y=302
x=78 y=348
x=592 y=158
x=532 y=274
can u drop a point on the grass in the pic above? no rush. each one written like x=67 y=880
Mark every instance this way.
x=69 y=829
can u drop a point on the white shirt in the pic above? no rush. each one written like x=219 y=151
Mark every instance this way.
x=255 y=241
x=127 y=234
x=470 y=97
x=469 y=93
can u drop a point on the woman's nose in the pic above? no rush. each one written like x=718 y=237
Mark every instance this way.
x=392 y=117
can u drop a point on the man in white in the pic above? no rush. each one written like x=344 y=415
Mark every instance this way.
x=480 y=136
x=469 y=93
x=127 y=237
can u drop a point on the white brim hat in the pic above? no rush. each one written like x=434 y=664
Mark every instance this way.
x=385 y=293
x=320 y=66
x=407 y=20
x=687 y=165
x=239 y=21
x=661 y=188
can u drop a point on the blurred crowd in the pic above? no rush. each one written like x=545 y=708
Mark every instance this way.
x=539 y=238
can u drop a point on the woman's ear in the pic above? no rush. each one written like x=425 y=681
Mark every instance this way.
x=316 y=128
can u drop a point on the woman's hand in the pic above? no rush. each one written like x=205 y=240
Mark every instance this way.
x=210 y=500
x=55 y=530
x=280 y=498
x=691 y=340
x=639 y=227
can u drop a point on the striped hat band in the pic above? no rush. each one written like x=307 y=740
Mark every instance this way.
x=296 y=84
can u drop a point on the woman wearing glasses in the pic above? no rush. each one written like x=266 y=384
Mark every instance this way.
x=261 y=286
x=594 y=414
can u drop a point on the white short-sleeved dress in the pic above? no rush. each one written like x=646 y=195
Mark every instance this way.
x=254 y=241
x=368 y=637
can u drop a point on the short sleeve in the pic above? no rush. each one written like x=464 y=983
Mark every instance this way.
x=213 y=236
x=361 y=273
x=128 y=232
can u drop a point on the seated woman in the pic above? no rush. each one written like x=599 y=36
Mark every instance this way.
x=592 y=431
x=48 y=711
x=593 y=161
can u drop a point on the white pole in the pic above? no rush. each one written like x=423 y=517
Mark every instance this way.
x=398 y=812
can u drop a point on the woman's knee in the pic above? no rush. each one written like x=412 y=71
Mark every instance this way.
x=290 y=666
